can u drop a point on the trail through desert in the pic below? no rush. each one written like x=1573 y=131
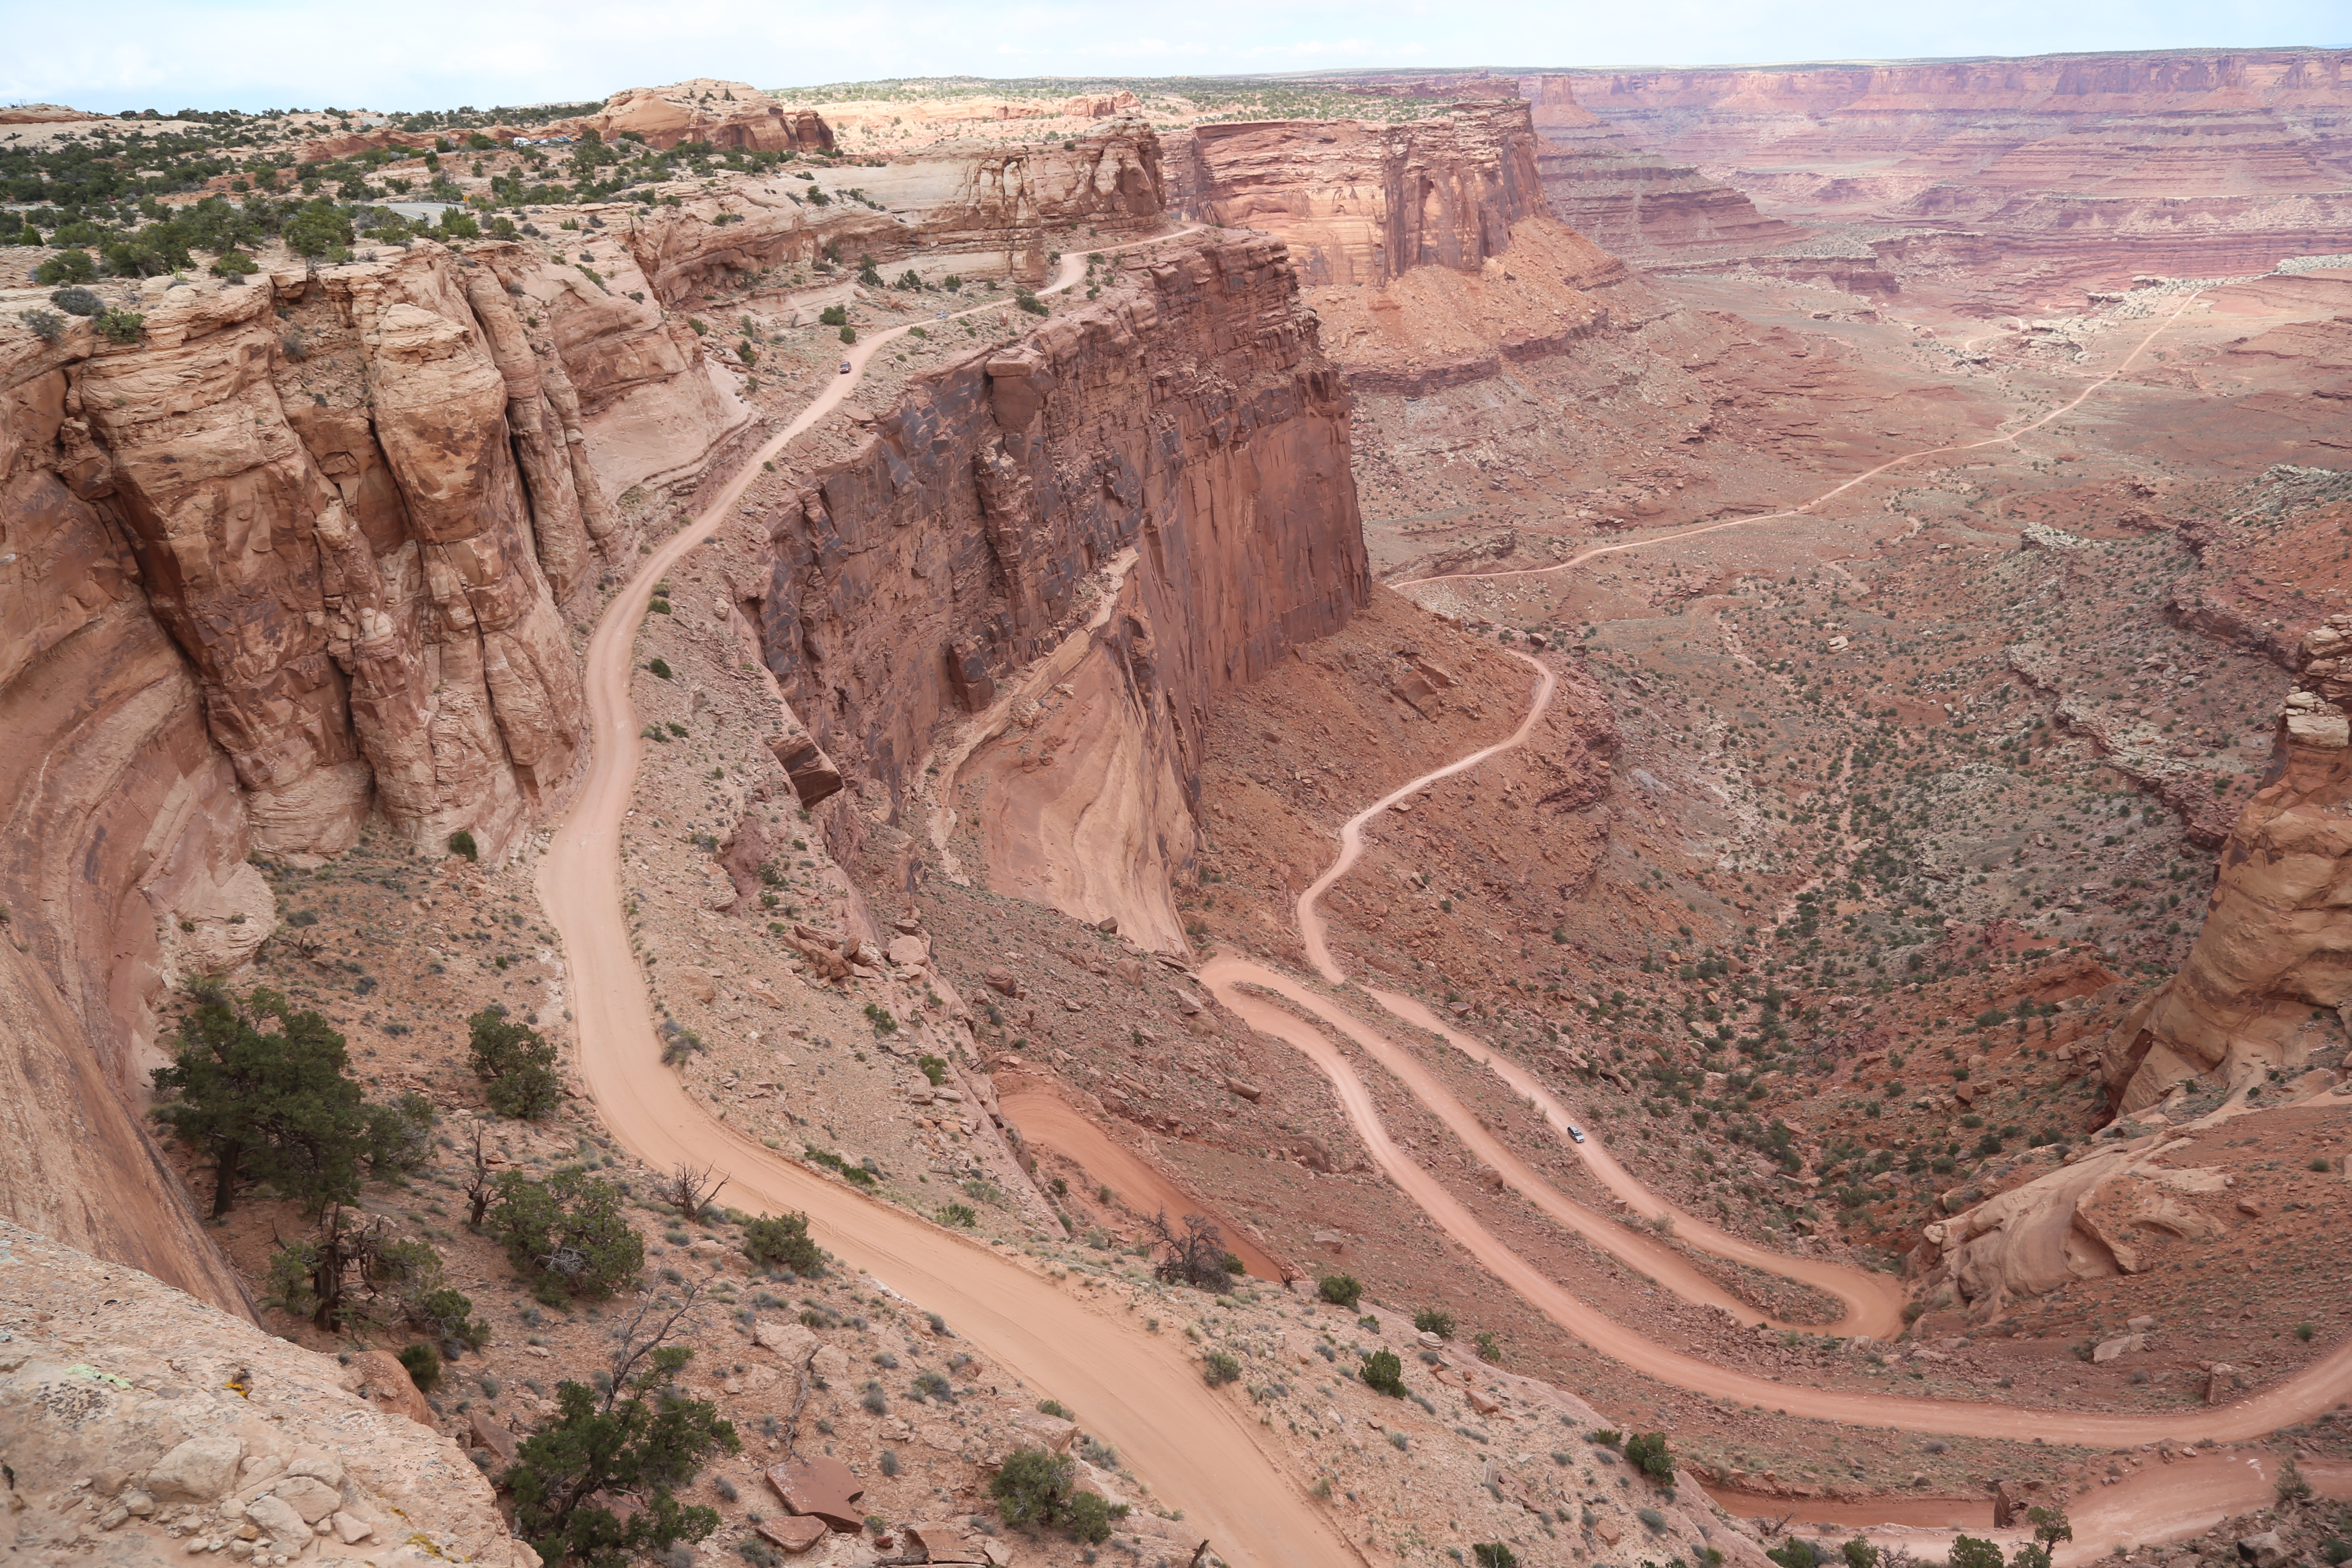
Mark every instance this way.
x=1141 y=1392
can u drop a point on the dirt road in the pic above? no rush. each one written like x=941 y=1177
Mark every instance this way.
x=1140 y=1391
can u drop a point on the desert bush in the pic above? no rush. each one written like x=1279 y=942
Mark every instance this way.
x=566 y=1231
x=1195 y=1256
x=77 y=301
x=1219 y=1367
x=516 y=1064
x=423 y=1364
x=121 y=326
x=1341 y=1290
x=1383 y=1373
x=462 y=843
x=783 y=1239
x=1647 y=1453
x=834 y=315
x=1429 y=1320
x=46 y=325
x=67 y=267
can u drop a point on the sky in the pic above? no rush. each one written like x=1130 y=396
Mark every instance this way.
x=439 y=53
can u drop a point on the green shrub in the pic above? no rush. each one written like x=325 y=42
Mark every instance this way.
x=566 y=1231
x=783 y=1238
x=234 y=264
x=2336 y=1550
x=1033 y=1487
x=1648 y=1454
x=77 y=301
x=279 y=1107
x=516 y=1063
x=1968 y=1552
x=659 y=668
x=1341 y=1290
x=423 y=1364
x=66 y=267
x=934 y=1069
x=1429 y=1320
x=121 y=326
x=1490 y=1349
x=1219 y=1367
x=1385 y=1373
x=462 y=843
x=46 y=325
x=959 y=1215
x=849 y=334
x=319 y=228
x=834 y=315
x=642 y=1440
x=1029 y=302
x=1494 y=1554
x=1234 y=1264
x=1652 y=1519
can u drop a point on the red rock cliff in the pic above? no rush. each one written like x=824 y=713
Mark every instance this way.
x=1362 y=203
x=2272 y=964
x=1157 y=484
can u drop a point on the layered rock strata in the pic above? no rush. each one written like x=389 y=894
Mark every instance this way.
x=2271 y=972
x=1360 y=203
x=730 y=115
x=1632 y=201
x=1000 y=202
x=295 y=556
x=1154 y=489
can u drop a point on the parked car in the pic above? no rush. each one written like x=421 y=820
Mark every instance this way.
x=845 y=367
x=1575 y=1133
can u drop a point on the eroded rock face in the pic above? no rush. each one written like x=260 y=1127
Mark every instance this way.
x=730 y=115
x=997 y=200
x=1362 y=203
x=293 y=557
x=1632 y=201
x=106 y=1372
x=1154 y=490
x=2274 y=957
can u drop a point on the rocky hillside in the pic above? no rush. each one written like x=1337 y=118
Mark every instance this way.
x=138 y=1424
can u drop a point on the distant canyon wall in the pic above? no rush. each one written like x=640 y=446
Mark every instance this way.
x=1156 y=485
x=1362 y=203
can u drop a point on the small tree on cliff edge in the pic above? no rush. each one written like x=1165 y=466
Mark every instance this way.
x=277 y=1105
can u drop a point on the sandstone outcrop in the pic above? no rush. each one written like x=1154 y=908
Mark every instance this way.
x=1362 y=203
x=728 y=115
x=2081 y=1221
x=992 y=201
x=293 y=557
x=2273 y=961
x=139 y=1423
x=1153 y=489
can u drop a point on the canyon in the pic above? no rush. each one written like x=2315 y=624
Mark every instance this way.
x=1819 y=654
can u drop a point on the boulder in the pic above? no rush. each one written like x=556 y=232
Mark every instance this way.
x=279 y=1520
x=2263 y=1551
x=351 y=1529
x=378 y=1376
x=794 y=1535
x=946 y=1540
x=1049 y=1432
x=313 y=1499
x=490 y=1432
x=796 y=1342
x=199 y=1469
x=821 y=1486
x=2121 y=1345
x=907 y=952
x=1003 y=981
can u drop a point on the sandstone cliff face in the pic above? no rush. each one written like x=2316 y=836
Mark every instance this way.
x=996 y=201
x=1632 y=201
x=1156 y=485
x=728 y=115
x=140 y=1423
x=294 y=557
x=2275 y=957
x=1360 y=203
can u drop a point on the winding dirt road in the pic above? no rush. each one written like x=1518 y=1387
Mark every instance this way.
x=1139 y=1391
x=2222 y=1486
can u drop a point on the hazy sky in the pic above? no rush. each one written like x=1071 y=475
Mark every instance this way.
x=429 y=54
